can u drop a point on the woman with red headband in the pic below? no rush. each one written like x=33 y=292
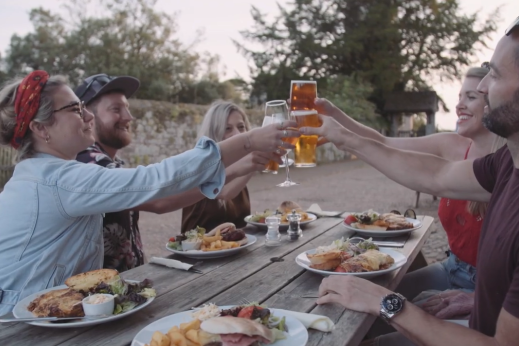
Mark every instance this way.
x=51 y=209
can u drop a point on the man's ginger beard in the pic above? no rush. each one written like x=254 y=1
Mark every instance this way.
x=503 y=120
x=111 y=137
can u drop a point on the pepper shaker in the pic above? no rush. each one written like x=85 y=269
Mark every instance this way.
x=273 y=238
x=294 y=231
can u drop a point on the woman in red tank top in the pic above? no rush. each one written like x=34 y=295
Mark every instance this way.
x=461 y=220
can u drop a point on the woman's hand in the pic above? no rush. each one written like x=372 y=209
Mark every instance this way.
x=353 y=293
x=332 y=131
x=268 y=138
x=450 y=304
x=256 y=161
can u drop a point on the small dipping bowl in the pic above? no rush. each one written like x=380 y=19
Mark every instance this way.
x=191 y=245
x=98 y=304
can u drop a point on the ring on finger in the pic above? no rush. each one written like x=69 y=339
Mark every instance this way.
x=281 y=142
x=278 y=151
x=285 y=133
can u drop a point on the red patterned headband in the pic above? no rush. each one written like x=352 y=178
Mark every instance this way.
x=27 y=102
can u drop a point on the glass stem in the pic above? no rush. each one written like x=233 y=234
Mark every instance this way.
x=286 y=166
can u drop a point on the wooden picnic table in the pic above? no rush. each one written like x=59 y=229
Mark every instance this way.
x=268 y=275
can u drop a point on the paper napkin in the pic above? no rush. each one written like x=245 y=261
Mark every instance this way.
x=316 y=209
x=171 y=263
x=318 y=322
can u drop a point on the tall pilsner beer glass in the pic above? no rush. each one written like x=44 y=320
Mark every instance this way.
x=302 y=108
x=272 y=166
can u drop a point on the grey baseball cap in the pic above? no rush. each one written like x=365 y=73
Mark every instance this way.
x=99 y=84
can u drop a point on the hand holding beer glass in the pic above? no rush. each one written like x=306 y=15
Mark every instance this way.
x=302 y=110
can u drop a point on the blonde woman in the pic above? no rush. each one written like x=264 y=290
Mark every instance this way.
x=222 y=121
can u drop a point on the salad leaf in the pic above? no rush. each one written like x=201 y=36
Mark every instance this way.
x=148 y=293
x=118 y=286
x=175 y=245
x=124 y=307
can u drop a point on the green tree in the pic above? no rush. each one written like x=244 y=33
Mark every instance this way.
x=123 y=37
x=393 y=45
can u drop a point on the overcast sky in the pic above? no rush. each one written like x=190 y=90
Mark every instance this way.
x=222 y=20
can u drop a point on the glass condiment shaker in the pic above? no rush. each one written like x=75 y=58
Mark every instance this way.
x=273 y=238
x=294 y=231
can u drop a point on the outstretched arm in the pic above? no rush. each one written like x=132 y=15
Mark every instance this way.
x=439 y=144
x=417 y=171
x=237 y=177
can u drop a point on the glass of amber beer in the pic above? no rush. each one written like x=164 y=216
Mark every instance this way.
x=302 y=110
x=272 y=166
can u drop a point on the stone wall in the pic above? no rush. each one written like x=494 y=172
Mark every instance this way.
x=162 y=129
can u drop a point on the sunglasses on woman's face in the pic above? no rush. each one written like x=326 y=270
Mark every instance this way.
x=80 y=105
x=512 y=26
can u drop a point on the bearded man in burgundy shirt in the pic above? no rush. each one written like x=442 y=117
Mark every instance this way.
x=493 y=179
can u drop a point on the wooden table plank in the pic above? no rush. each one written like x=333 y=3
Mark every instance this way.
x=174 y=297
x=352 y=326
x=249 y=274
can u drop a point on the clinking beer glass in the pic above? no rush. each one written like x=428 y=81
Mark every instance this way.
x=272 y=166
x=302 y=108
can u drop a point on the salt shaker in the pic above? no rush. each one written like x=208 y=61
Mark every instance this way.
x=294 y=231
x=273 y=237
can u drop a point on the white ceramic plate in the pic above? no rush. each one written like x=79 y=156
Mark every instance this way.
x=370 y=233
x=282 y=227
x=20 y=311
x=199 y=254
x=297 y=333
x=399 y=258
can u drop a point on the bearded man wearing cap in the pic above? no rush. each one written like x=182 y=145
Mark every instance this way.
x=107 y=98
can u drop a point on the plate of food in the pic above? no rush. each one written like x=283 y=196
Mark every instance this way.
x=128 y=296
x=373 y=224
x=343 y=257
x=222 y=241
x=245 y=325
x=286 y=208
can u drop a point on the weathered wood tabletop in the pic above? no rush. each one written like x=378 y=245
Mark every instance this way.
x=268 y=275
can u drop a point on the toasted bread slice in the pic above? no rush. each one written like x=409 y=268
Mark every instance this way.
x=324 y=257
x=58 y=303
x=328 y=265
x=370 y=227
x=85 y=281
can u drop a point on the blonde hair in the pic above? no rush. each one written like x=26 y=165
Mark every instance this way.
x=214 y=125
x=480 y=208
x=215 y=120
x=476 y=72
x=44 y=116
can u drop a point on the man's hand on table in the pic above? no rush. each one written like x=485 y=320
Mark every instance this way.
x=451 y=304
x=353 y=293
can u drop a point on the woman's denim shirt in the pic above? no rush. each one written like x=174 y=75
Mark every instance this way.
x=51 y=212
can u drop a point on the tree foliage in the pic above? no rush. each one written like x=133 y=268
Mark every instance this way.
x=393 y=45
x=124 y=37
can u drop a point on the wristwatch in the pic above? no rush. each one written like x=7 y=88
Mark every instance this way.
x=391 y=305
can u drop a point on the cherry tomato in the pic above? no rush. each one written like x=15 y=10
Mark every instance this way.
x=172 y=239
x=247 y=311
x=339 y=269
x=350 y=219
x=262 y=220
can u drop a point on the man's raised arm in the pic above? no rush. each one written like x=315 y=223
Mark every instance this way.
x=417 y=171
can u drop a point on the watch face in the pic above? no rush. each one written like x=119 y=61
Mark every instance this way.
x=392 y=303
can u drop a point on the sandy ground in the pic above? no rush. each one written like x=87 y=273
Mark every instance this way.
x=348 y=185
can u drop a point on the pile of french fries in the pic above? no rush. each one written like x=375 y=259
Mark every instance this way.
x=215 y=243
x=187 y=334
